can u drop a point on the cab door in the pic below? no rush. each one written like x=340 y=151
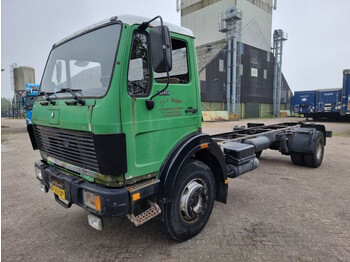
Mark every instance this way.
x=152 y=134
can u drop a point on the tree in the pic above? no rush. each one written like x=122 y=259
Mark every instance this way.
x=5 y=104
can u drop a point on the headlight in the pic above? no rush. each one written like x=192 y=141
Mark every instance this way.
x=91 y=200
x=38 y=173
x=95 y=222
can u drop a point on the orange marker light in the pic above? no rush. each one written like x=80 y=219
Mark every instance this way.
x=136 y=196
x=204 y=145
x=98 y=203
x=226 y=181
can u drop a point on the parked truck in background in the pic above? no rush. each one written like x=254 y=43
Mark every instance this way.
x=118 y=126
x=31 y=94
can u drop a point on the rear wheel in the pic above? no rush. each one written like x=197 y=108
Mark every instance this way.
x=315 y=159
x=191 y=203
x=297 y=158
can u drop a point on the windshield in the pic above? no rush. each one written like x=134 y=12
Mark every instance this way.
x=84 y=63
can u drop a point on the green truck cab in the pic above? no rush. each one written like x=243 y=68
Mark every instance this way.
x=103 y=149
x=118 y=126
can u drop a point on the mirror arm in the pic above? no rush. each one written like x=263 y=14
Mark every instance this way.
x=144 y=25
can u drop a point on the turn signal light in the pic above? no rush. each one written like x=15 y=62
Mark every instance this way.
x=91 y=200
x=136 y=196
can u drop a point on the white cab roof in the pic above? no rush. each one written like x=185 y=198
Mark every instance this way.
x=132 y=20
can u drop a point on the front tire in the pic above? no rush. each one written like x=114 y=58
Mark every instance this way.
x=191 y=203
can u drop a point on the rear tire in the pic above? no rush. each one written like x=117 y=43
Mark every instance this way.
x=315 y=159
x=297 y=158
x=191 y=203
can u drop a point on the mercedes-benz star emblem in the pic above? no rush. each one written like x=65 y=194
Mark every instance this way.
x=52 y=114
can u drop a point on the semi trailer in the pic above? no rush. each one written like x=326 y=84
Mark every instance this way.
x=328 y=101
x=118 y=127
x=304 y=102
x=324 y=103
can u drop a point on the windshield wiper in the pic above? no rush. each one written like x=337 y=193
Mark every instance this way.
x=72 y=92
x=47 y=96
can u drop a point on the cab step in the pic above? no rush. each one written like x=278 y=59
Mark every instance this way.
x=153 y=211
x=139 y=186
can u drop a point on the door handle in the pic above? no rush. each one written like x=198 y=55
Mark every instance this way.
x=191 y=110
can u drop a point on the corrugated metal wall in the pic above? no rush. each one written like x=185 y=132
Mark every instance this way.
x=256 y=83
x=213 y=80
x=257 y=78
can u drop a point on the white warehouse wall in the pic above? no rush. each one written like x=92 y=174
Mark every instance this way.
x=256 y=23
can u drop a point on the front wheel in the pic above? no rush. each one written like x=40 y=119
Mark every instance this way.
x=191 y=203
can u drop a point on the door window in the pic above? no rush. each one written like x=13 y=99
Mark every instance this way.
x=179 y=72
x=139 y=75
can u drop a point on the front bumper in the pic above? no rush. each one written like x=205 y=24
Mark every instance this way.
x=114 y=201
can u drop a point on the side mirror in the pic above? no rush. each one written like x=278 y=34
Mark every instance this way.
x=157 y=53
x=58 y=71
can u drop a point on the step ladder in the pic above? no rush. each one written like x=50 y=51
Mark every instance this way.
x=153 y=211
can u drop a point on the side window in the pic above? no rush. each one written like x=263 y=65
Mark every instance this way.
x=179 y=71
x=139 y=75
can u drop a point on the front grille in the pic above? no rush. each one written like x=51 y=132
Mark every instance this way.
x=74 y=147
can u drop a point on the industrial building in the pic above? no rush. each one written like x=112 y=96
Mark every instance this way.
x=239 y=64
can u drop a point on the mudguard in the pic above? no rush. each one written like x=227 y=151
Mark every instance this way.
x=303 y=141
x=320 y=128
x=196 y=146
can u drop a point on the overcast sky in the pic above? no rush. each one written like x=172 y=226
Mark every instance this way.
x=318 y=45
x=316 y=52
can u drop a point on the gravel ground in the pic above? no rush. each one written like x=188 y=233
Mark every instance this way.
x=278 y=212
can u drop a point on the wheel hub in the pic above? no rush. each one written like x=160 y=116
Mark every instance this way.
x=194 y=200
